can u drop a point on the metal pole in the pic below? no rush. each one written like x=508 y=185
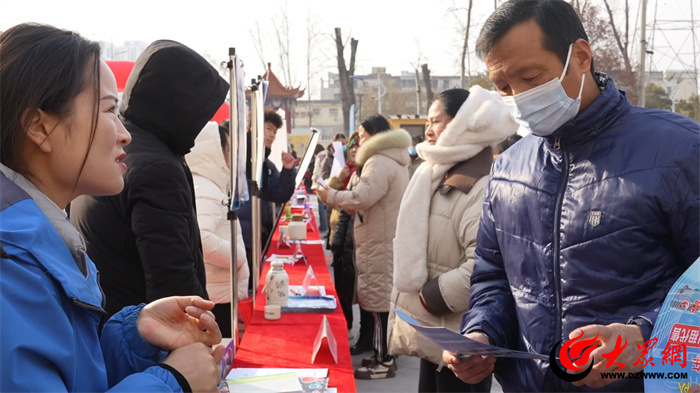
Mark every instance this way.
x=255 y=215
x=258 y=156
x=641 y=98
x=232 y=215
x=379 y=91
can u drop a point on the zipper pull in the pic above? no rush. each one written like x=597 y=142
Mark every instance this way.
x=557 y=143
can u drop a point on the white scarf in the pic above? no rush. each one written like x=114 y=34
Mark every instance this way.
x=483 y=120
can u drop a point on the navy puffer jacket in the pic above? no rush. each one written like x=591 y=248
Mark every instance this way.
x=589 y=226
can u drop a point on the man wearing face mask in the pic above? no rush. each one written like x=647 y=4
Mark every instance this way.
x=587 y=222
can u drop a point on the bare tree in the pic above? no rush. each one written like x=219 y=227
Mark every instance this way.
x=347 y=88
x=429 y=97
x=282 y=33
x=416 y=66
x=313 y=39
x=610 y=46
x=465 y=60
x=418 y=104
x=258 y=39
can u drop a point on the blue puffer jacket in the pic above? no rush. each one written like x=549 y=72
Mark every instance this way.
x=51 y=314
x=589 y=226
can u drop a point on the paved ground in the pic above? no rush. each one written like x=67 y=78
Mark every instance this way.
x=406 y=379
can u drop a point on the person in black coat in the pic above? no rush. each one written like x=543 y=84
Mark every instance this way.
x=145 y=240
x=343 y=248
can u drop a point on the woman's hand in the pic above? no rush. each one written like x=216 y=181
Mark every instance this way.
x=322 y=193
x=176 y=321
x=344 y=174
x=199 y=364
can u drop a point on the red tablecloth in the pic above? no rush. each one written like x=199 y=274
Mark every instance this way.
x=288 y=342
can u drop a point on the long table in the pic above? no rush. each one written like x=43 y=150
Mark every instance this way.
x=288 y=342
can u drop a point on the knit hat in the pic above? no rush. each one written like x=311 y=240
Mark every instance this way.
x=354 y=139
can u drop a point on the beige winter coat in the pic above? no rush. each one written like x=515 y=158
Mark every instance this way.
x=376 y=198
x=452 y=227
x=210 y=175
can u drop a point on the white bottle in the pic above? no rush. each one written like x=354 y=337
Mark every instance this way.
x=277 y=285
x=297 y=228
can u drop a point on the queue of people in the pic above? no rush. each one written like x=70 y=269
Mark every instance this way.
x=580 y=227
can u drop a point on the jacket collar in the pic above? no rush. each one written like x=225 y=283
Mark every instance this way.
x=597 y=117
x=464 y=175
x=32 y=229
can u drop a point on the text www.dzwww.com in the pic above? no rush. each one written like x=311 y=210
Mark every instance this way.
x=644 y=375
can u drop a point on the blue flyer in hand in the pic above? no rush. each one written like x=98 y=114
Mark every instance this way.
x=676 y=354
x=461 y=345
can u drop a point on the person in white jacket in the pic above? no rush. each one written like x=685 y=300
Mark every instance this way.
x=210 y=174
x=437 y=224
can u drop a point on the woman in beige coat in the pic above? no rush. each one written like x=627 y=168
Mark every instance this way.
x=382 y=161
x=433 y=262
x=210 y=174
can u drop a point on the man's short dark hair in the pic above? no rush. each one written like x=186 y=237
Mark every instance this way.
x=273 y=117
x=559 y=22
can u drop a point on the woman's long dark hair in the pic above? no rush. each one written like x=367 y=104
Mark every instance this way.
x=375 y=123
x=42 y=67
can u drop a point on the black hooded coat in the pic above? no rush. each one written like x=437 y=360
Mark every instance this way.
x=145 y=240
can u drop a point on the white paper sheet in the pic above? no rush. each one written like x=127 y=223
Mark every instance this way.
x=338 y=158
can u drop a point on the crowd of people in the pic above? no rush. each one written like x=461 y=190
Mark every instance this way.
x=116 y=248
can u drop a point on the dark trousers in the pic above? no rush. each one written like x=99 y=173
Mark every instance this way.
x=431 y=380
x=366 y=329
x=345 y=293
x=381 y=322
x=222 y=312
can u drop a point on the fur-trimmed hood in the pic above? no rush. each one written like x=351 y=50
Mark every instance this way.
x=393 y=144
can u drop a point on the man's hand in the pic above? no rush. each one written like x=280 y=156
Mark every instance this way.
x=474 y=368
x=176 y=321
x=322 y=193
x=287 y=160
x=608 y=336
x=199 y=364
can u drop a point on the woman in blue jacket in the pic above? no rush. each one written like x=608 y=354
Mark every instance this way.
x=59 y=138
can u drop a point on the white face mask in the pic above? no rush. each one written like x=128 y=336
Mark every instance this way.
x=545 y=108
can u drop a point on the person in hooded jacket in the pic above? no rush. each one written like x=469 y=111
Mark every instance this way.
x=60 y=137
x=382 y=161
x=145 y=240
x=587 y=221
x=433 y=262
x=209 y=163
x=277 y=187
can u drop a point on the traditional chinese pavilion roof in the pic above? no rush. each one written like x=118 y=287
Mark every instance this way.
x=277 y=89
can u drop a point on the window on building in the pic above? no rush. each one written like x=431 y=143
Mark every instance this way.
x=317 y=111
x=333 y=112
